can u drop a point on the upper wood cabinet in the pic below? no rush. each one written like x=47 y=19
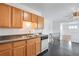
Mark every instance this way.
x=34 y=21
x=34 y=18
x=40 y=22
x=17 y=18
x=5 y=16
x=10 y=17
x=27 y=16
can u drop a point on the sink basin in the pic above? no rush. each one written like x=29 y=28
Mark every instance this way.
x=28 y=36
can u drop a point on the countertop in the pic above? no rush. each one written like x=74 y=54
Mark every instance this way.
x=6 y=39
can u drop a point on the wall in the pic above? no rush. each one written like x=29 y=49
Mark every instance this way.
x=24 y=30
x=48 y=23
x=57 y=14
x=74 y=33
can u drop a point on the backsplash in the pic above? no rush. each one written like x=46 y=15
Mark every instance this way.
x=25 y=30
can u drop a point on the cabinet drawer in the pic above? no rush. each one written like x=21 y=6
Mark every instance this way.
x=5 y=46
x=18 y=43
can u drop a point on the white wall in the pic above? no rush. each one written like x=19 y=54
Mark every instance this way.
x=25 y=29
x=54 y=14
x=48 y=23
x=74 y=33
x=57 y=14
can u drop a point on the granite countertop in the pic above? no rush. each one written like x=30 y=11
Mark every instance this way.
x=6 y=39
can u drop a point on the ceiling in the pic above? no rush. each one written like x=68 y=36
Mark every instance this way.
x=55 y=9
x=42 y=6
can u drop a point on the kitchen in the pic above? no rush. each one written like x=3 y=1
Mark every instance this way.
x=18 y=36
x=39 y=29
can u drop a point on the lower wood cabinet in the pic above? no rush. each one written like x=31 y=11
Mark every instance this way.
x=33 y=46
x=19 y=51
x=6 y=52
x=30 y=47
x=19 y=48
x=6 y=49
x=38 y=46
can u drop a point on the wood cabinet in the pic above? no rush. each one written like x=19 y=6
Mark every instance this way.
x=33 y=47
x=27 y=16
x=17 y=18
x=31 y=51
x=19 y=51
x=10 y=17
x=30 y=47
x=6 y=49
x=34 y=18
x=6 y=53
x=40 y=22
x=34 y=21
x=38 y=46
x=5 y=16
x=19 y=48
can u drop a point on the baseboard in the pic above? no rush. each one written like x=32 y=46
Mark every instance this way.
x=42 y=53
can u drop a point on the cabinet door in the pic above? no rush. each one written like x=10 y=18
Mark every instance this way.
x=34 y=21
x=38 y=46
x=40 y=22
x=27 y=16
x=31 y=51
x=5 y=16
x=19 y=48
x=34 y=18
x=6 y=53
x=6 y=49
x=17 y=18
x=19 y=51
